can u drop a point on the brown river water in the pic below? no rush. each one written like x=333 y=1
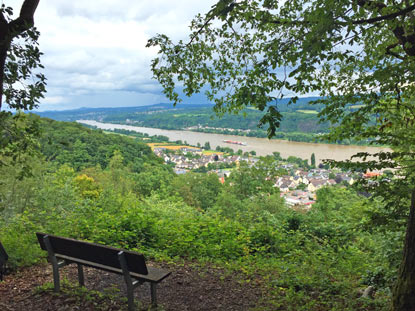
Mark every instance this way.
x=262 y=146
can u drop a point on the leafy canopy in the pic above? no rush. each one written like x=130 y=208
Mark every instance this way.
x=353 y=53
x=23 y=82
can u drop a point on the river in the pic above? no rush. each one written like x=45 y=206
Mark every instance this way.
x=262 y=146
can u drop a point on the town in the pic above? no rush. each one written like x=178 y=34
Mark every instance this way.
x=298 y=182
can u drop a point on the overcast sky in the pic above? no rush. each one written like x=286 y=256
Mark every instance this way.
x=94 y=50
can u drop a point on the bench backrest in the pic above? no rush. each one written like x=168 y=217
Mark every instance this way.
x=3 y=255
x=95 y=253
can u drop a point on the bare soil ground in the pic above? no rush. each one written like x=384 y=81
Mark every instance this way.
x=187 y=288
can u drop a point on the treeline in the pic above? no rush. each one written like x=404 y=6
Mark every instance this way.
x=143 y=136
x=246 y=120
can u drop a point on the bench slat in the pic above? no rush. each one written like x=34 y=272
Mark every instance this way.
x=95 y=253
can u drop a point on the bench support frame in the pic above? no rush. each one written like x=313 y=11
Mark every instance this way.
x=131 y=285
x=129 y=281
x=55 y=264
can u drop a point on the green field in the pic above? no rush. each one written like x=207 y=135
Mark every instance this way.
x=308 y=111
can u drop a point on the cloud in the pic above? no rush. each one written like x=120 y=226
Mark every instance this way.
x=95 y=50
x=53 y=100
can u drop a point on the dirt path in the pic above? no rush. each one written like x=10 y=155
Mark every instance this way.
x=186 y=289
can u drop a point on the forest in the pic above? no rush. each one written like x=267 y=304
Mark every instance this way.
x=111 y=189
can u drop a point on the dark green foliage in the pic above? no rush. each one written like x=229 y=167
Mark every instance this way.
x=18 y=140
x=80 y=147
x=197 y=189
x=152 y=179
x=313 y=160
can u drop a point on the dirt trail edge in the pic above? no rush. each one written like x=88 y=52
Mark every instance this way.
x=188 y=288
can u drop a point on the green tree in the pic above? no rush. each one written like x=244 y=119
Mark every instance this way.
x=152 y=179
x=246 y=181
x=313 y=160
x=207 y=146
x=277 y=156
x=358 y=55
x=199 y=190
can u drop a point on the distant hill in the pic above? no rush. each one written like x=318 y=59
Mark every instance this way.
x=100 y=114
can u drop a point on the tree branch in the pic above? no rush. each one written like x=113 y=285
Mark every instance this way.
x=26 y=18
x=356 y=22
x=370 y=3
x=212 y=16
x=385 y=17
x=392 y=53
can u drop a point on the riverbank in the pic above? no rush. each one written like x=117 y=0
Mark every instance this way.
x=262 y=146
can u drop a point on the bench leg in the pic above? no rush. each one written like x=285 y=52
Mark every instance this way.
x=128 y=281
x=130 y=296
x=153 y=289
x=56 y=277
x=54 y=261
x=81 y=278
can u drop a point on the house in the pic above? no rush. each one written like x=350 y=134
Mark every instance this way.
x=331 y=182
x=315 y=184
x=371 y=174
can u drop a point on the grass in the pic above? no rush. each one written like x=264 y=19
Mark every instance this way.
x=74 y=295
x=169 y=147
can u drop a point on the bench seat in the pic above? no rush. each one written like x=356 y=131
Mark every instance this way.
x=154 y=275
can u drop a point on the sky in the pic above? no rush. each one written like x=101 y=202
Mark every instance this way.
x=94 y=50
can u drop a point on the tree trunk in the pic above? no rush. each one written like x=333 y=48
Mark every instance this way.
x=4 y=31
x=404 y=291
x=3 y=55
x=10 y=30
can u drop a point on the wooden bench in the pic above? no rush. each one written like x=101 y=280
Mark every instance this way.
x=3 y=259
x=64 y=251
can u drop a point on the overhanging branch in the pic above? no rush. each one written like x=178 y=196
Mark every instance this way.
x=26 y=18
x=385 y=17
